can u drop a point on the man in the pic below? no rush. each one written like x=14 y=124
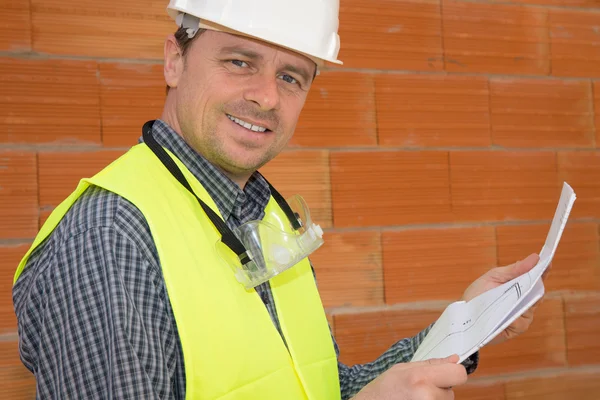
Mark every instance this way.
x=136 y=289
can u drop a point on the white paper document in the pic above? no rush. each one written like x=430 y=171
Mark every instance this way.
x=465 y=327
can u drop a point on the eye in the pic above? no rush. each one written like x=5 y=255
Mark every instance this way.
x=239 y=63
x=289 y=79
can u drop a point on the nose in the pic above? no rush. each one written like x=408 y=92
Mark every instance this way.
x=264 y=91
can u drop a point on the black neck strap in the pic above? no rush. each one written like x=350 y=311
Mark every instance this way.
x=227 y=235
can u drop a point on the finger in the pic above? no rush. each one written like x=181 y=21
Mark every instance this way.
x=453 y=359
x=519 y=327
x=519 y=268
x=537 y=303
x=448 y=394
x=529 y=313
x=428 y=392
x=446 y=375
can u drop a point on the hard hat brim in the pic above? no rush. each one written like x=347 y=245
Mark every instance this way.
x=320 y=62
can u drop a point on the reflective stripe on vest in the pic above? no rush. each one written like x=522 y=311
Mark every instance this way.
x=231 y=347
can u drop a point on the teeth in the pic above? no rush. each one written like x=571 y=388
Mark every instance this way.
x=247 y=125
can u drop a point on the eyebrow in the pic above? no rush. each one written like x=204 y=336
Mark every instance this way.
x=241 y=51
x=300 y=71
x=252 y=55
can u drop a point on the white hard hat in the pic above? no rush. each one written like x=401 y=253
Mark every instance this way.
x=308 y=27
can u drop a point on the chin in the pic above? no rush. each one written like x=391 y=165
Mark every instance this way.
x=242 y=163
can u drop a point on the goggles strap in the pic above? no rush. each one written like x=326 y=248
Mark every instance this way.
x=289 y=213
x=227 y=235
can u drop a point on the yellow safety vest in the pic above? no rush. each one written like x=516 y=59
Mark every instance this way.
x=231 y=348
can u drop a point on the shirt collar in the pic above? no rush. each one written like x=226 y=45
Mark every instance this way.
x=227 y=195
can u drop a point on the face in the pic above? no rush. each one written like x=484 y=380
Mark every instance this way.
x=237 y=100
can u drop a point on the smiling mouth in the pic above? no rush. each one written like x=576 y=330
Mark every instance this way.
x=247 y=125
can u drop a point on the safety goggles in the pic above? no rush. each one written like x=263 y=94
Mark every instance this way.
x=274 y=244
x=257 y=250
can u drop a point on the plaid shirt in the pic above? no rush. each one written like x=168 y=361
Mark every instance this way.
x=94 y=317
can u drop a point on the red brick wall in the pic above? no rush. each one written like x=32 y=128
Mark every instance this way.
x=435 y=153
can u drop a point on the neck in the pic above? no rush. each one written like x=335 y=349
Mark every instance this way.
x=170 y=117
x=238 y=179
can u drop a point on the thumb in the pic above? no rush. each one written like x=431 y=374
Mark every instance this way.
x=519 y=268
x=453 y=359
x=450 y=359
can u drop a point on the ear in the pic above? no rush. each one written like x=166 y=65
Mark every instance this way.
x=173 y=65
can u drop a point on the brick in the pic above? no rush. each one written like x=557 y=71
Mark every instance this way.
x=391 y=34
x=363 y=337
x=581 y=170
x=576 y=263
x=9 y=261
x=575 y=42
x=413 y=260
x=504 y=39
x=339 y=112
x=60 y=172
x=130 y=94
x=432 y=110
x=15 y=26
x=132 y=29
x=49 y=101
x=503 y=186
x=542 y=346
x=574 y=385
x=19 y=383
x=566 y=3
x=541 y=113
x=9 y=350
x=479 y=391
x=18 y=187
x=331 y=322
x=305 y=173
x=389 y=188
x=596 y=90
x=582 y=314
x=349 y=270
x=44 y=214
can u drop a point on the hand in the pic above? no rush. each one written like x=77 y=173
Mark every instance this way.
x=496 y=277
x=432 y=380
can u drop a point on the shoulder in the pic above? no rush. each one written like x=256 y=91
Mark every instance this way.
x=100 y=209
x=99 y=222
